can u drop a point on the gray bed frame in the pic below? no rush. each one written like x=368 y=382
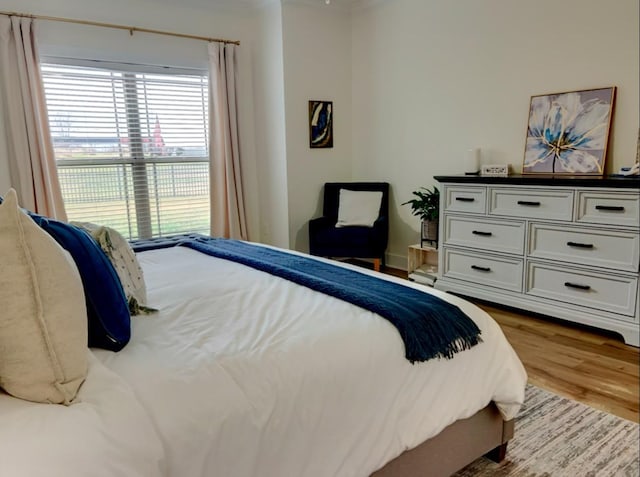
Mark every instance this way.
x=484 y=433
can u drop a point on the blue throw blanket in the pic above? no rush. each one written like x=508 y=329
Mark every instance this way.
x=429 y=326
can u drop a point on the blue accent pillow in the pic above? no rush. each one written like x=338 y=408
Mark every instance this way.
x=107 y=310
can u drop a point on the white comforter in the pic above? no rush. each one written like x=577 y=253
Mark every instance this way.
x=105 y=433
x=244 y=374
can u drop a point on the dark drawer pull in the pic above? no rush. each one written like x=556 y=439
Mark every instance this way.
x=479 y=232
x=575 y=285
x=611 y=208
x=529 y=203
x=580 y=245
x=465 y=199
x=481 y=269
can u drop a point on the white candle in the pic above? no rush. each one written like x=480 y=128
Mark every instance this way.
x=472 y=161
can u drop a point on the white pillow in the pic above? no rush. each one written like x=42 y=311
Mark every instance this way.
x=358 y=207
x=125 y=262
x=43 y=321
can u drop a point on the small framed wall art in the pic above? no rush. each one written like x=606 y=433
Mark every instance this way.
x=568 y=133
x=320 y=124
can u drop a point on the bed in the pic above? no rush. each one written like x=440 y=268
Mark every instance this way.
x=241 y=373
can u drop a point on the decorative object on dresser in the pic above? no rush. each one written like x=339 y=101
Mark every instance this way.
x=567 y=247
x=472 y=162
x=630 y=171
x=568 y=133
x=495 y=170
x=427 y=207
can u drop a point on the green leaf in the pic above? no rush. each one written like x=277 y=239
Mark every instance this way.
x=426 y=205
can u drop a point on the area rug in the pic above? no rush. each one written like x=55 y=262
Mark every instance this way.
x=555 y=436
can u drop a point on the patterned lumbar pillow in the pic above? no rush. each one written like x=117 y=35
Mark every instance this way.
x=124 y=260
x=43 y=322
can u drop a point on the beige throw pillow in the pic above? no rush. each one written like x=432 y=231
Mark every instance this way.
x=43 y=317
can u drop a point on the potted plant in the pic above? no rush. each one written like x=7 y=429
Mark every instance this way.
x=426 y=205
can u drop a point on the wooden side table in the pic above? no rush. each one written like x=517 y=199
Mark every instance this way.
x=422 y=264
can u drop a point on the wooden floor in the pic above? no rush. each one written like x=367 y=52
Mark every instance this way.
x=587 y=365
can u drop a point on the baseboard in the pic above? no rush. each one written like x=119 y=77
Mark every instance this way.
x=394 y=260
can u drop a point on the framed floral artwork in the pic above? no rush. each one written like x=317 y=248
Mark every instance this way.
x=320 y=124
x=568 y=132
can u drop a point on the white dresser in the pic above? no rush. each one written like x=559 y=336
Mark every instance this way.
x=563 y=247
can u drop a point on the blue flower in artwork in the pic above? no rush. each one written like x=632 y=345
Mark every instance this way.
x=566 y=134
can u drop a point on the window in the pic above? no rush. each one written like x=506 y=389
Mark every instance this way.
x=131 y=147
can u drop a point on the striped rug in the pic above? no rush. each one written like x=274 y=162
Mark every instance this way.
x=555 y=436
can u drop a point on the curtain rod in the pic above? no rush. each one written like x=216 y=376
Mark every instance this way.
x=130 y=29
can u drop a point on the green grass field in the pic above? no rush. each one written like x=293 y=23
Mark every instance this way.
x=178 y=196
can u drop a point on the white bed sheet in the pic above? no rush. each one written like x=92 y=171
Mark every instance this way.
x=104 y=433
x=245 y=374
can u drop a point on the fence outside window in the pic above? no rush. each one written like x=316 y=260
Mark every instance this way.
x=131 y=147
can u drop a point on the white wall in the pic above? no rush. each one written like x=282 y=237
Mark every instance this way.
x=271 y=155
x=75 y=41
x=317 y=66
x=432 y=79
x=414 y=84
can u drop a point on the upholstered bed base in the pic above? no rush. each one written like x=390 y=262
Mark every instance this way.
x=456 y=446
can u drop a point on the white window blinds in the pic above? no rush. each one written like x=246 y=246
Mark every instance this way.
x=131 y=147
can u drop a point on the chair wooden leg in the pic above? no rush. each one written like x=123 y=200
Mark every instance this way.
x=376 y=264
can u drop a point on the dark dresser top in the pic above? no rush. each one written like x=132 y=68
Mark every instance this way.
x=616 y=181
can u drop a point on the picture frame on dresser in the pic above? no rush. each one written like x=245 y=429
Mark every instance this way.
x=565 y=247
x=568 y=133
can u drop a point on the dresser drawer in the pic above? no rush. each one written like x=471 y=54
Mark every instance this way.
x=611 y=208
x=465 y=199
x=531 y=203
x=601 y=248
x=489 y=234
x=616 y=294
x=484 y=269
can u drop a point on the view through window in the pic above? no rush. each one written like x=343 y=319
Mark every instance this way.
x=131 y=147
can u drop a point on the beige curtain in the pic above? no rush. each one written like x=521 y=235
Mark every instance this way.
x=228 y=218
x=32 y=165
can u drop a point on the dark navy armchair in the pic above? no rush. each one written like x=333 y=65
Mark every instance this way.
x=327 y=240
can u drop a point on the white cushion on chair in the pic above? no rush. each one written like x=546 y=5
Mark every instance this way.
x=358 y=207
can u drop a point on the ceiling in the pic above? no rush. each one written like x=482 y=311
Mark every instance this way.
x=250 y=4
